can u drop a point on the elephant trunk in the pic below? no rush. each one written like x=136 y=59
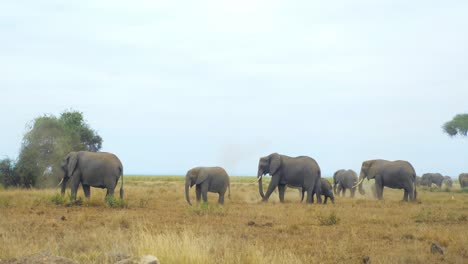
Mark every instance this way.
x=361 y=179
x=187 y=196
x=260 y=184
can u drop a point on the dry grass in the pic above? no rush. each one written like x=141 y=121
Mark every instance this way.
x=156 y=220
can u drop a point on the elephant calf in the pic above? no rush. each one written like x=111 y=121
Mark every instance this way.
x=326 y=189
x=207 y=179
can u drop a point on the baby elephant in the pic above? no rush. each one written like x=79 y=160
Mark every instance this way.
x=326 y=189
x=207 y=179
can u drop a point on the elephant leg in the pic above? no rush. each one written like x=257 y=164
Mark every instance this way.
x=353 y=190
x=110 y=192
x=271 y=187
x=318 y=191
x=405 y=196
x=75 y=183
x=204 y=191
x=411 y=194
x=221 y=198
x=326 y=198
x=198 y=192
x=344 y=192
x=281 y=190
x=86 y=190
x=379 y=190
x=310 y=193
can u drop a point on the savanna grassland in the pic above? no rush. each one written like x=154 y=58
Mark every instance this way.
x=155 y=219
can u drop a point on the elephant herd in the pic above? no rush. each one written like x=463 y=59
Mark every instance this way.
x=103 y=170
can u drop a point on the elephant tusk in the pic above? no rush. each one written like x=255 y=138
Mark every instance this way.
x=60 y=183
x=359 y=182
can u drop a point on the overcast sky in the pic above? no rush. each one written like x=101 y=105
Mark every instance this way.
x=174 y=84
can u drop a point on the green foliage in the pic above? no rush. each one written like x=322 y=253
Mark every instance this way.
x=458 y=125
x=47 y=141
x=8 y=177
x=463 y=190
x=327 y=220
x=116 y=202
x=207 y=209
x=58 y=199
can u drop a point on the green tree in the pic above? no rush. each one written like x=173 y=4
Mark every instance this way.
x=8 y=176
x=47 y=141
x=457 y=126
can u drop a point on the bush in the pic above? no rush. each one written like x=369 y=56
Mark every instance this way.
x=8 y=177
x=58 y=199
x=331 y=219
x=463 y=190
x=116 y=202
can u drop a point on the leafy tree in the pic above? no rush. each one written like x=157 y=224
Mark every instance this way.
x=47 y=141
x=458 y=125
x=8 y=176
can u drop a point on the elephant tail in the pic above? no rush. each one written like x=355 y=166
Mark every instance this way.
x=121 y=183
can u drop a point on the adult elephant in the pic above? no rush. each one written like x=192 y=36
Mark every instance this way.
x=427 y=179
x=398 y=174
x=448 y=181
x=91 y=169
x=300 y=171
x=207 y=179
x=463 y=180
x=344 y=179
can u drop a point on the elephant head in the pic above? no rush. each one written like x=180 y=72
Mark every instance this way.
x=267 y=165
x=367 y=171
x=193 y=177
x=68 y=166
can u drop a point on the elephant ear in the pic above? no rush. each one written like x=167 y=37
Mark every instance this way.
x=201 y=177
x=335 y=180
x=72 y=159
x=275 y=163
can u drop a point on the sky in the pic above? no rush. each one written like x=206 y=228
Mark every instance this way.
x=170 y=85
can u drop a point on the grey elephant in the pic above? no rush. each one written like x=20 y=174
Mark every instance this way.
x=463 y=180
x=326 y=189
x=207 y=179
x=344 y=179
x=448 y=181
x=427 y=179
x=300 y=171
x=398 y=174
x=91 y=169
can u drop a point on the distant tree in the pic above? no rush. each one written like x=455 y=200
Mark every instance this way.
x=47 y=141
x=8 y=176
x=458 y=125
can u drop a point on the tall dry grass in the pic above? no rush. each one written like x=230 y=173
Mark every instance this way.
x=155 y=219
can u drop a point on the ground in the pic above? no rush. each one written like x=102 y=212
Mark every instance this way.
x=155 y=219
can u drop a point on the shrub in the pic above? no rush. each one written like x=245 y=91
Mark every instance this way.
x=58 y=199
x=331 y=219
x=116 y=202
